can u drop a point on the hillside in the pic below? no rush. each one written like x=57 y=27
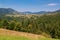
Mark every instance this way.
x=7 y=34
x=4 y=11
x=16 y=33
x=47 y=25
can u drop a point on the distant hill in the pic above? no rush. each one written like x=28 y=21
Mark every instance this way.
x=7 y=11
x=57 y=10
x=12 y=11
x=41 y=12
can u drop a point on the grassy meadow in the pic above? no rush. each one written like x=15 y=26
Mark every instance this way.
x=4 y=37
x=13 y=35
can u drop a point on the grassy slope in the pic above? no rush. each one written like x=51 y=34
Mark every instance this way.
x=13 y=35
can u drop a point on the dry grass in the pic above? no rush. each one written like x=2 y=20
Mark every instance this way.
x=14 y=33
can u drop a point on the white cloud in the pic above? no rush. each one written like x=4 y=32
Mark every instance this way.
x=52 y=4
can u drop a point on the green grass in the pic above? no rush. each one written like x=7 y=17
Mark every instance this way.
x=13 y=38
x=47 y=39
x=21 y=38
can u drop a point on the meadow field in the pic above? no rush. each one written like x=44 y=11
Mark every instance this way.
x=13 y=35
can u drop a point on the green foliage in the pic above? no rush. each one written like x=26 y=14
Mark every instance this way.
x=49 y=24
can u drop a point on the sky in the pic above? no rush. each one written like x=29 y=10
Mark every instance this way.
x=31 y=5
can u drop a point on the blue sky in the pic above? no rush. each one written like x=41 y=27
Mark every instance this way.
x=31 y=5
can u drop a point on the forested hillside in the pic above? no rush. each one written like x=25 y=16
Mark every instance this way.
x=48 y=25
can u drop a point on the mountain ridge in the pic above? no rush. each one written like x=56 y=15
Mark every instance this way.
x=12 y=11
